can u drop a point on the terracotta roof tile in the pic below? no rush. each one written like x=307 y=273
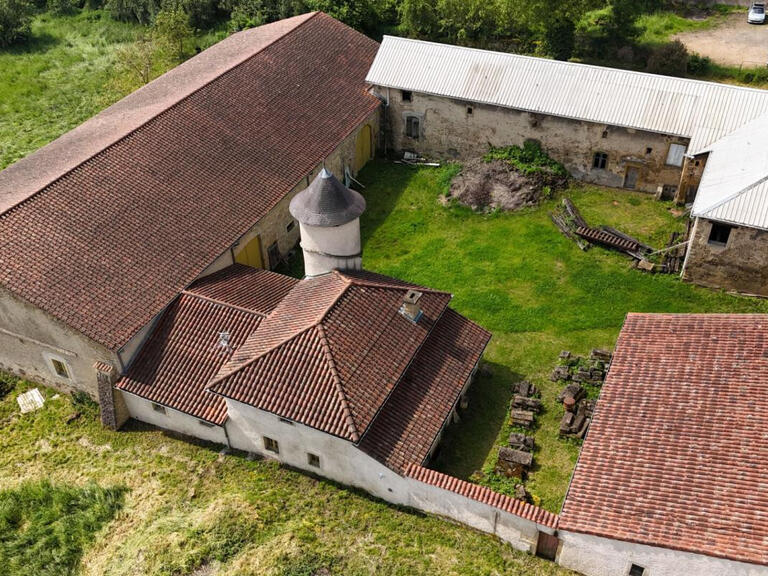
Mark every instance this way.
x=106 y=245
x=408 y=424
x=484 y=495
x=182 y=354
x=350 y=324
x=676 y=455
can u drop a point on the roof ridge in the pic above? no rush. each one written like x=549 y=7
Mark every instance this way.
x=733 y=196
x=373 y=284
x=337 y=382
x=335 y=301
x=222 y=303
x=161 y=113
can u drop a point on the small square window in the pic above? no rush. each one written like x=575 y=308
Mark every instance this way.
x=648 y=150
x=205 y=424
x=600 y=160
x=469 y=110
x=407 y=95
x=291 y=226
x=412 y=127
x=271 y=445
x=605 y=133
x=719 y=234
x=158 y=408
x=313 y=460
x=636 y=570
x=668 y=191
x=60 y=367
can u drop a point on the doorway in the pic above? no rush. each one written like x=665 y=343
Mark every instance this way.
x=363 y=147
x=630 y=177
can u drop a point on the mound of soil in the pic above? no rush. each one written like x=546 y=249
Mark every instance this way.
x=496 y=185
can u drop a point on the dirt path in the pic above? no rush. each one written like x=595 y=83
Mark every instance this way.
x=732 y=43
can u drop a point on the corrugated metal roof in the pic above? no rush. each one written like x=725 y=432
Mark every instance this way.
x=701 y=111
x=734 y=186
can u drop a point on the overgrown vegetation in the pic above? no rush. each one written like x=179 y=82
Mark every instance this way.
x=518 y=276
x=528 y=159
x=45 y=527
x=189 y=509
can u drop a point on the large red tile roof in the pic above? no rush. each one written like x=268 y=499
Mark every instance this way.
x=677 y=454
x=111 y=222
x=182 y=354
x=331 y=352
x=409 y=422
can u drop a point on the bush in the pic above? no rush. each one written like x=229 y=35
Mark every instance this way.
x=142 y=11
x=247 y=14
x=60 y=7
x=15 y=16
x=559 y=37
x=529 y=159
x=670 y=59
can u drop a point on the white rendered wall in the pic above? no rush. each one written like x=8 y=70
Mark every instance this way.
x=141 y=409
x=326 y=248
x=596 y=556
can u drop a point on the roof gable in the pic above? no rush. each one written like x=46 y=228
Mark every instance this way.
x=107 y=245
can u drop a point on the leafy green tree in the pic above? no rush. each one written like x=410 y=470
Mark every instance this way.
x=670 y=59
x=418 y=18
x=15 y=16
x=172 y=30
x=559 y=37
x=60 y=7
x=468 y=21
x=247 y=14
x=142 y=11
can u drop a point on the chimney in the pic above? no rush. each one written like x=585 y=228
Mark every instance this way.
x=411 y=308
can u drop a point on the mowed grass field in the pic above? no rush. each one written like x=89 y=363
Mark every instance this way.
x=519 y=277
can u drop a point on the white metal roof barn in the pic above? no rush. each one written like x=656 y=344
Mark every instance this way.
x=701 y=111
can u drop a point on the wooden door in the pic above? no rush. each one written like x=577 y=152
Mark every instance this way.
x=547 y=546
x=364 y=147
x=630 y=177
x=250 y=253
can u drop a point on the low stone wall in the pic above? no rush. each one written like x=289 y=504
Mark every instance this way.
x=741 y=265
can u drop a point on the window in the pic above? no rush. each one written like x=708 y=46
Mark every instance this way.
x=407 y=95
x=648 y=150
x=412 y=127
x=205 y=424
x=676 y=154
x=469 y=110
x=600 y=160
x=668 y=191
x=271 y=445
x=291 y=226
x=60 y=368
x=605 y=133
x=636 y=570
x=719 y=234
x=158 y=408
x=313 y=460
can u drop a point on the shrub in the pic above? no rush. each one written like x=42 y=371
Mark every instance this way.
x=559 y=37
x=699 y=65
x=15 y=16
x=670 y=59
x=60 y=7
x=247 y=14
x=142 y=11
x=529 y=159
x=173 y=31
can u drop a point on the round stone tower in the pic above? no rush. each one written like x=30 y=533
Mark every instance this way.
x=329 y=218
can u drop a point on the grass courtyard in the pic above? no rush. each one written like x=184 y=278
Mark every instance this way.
x=519 y=277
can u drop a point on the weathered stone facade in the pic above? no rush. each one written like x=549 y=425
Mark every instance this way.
x=740 y=265
x=451 y=129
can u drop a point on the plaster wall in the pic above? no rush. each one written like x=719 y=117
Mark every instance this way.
x=141 y=409
x=30 y=338
x=326 y=248
x=596 y=556
x=449 y=131
x=741 y=265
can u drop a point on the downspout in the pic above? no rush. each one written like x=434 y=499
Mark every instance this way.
x=226 y=433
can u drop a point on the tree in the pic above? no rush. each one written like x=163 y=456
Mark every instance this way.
x=418 y=18
x=142 y=11
x=15 y=16
x=247 y=14
x=137 y=64
x=559 y=37
x=670 y=59
x=172 y=30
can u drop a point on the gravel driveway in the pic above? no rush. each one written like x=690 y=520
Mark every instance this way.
x=732 y=43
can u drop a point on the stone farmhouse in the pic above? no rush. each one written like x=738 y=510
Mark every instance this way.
x=135 y=265
x=673 y=137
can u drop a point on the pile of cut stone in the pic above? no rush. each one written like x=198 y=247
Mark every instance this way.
x=516 y=458
x=579 y=374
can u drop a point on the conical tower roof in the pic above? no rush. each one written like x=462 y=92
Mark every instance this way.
x=327 y=202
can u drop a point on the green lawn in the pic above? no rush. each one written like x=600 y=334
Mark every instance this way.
x=659 y=27
x=538 y=294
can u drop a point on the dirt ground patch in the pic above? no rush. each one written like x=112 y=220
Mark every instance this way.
x=496 y=185
x=732 y=43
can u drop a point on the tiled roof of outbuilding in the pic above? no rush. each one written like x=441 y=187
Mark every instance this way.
x=331 y=352
x=182 y=354
x=128 y=219
x=676 y=455
x=413 y=416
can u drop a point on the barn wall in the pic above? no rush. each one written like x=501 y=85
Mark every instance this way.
x=741 y=265
x=141 y=409
x=448 y=131
x=595 y=556
x=30 y=338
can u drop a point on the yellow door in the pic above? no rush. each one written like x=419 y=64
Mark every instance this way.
x=364 y=147
x=250 y=253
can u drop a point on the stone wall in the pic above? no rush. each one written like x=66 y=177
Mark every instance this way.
x=741 y=265
x=452 y=129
